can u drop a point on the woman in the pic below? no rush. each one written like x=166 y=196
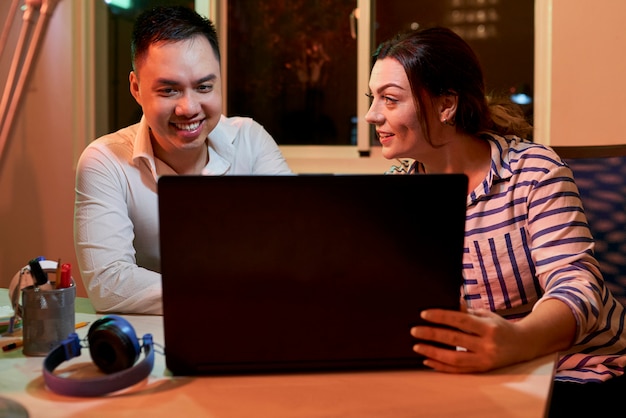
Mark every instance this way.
x=531 y=283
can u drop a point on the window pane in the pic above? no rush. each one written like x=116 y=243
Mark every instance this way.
x=123 y=109
x=501 y=32
x=292 y=67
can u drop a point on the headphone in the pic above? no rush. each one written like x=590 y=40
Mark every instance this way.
x=114 y=348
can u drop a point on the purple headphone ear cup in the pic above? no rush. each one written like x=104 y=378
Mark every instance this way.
x=113 y=344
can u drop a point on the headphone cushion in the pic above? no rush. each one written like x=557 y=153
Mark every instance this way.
x=113 y=344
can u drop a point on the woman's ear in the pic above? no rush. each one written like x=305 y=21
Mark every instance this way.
x=447 y=108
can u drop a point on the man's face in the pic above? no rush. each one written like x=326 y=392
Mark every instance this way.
x=178 y=86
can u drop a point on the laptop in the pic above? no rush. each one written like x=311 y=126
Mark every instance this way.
x=265 y=274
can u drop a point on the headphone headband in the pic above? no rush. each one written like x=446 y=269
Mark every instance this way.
x=116 y=380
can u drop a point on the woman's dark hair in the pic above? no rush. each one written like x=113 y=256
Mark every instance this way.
x=439 y=62
x=169 y=24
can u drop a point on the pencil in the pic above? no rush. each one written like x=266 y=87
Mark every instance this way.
x=19 y=343
x=58 y=272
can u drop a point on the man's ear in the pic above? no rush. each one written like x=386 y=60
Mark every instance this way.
x=447 y=108
x=133 y=82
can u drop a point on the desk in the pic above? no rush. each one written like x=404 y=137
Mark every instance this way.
x=517 y=391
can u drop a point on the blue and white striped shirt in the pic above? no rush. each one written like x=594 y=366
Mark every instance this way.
x=527 y=240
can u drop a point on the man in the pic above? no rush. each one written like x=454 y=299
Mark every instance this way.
x=177 y=82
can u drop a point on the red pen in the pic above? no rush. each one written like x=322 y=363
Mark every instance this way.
x=66 y=276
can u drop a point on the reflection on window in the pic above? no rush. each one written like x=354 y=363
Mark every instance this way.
x=292 y=67
x=501 y=32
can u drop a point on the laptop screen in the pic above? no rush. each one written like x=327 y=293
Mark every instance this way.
x=313 y=272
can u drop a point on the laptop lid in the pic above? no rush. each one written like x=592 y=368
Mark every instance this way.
x=309 y=272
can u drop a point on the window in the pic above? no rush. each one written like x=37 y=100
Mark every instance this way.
x=301 y=69
x=293 y=65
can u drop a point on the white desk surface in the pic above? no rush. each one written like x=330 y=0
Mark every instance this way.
x=518 y=391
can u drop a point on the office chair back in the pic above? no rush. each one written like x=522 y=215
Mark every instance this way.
x=600 y=173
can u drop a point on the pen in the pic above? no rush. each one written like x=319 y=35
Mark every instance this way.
x=81 y=325
x=12 y=346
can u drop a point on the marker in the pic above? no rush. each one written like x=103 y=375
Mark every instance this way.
x=40 y=276
x=12 y=346
x=66 y=276
x=81 y=325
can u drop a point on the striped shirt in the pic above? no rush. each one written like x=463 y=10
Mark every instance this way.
x=527 y=240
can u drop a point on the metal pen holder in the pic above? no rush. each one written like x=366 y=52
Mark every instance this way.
x=48 y=317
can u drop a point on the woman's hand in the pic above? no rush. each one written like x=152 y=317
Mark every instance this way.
x=486 y=340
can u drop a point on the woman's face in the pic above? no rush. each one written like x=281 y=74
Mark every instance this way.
x=393 y=111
